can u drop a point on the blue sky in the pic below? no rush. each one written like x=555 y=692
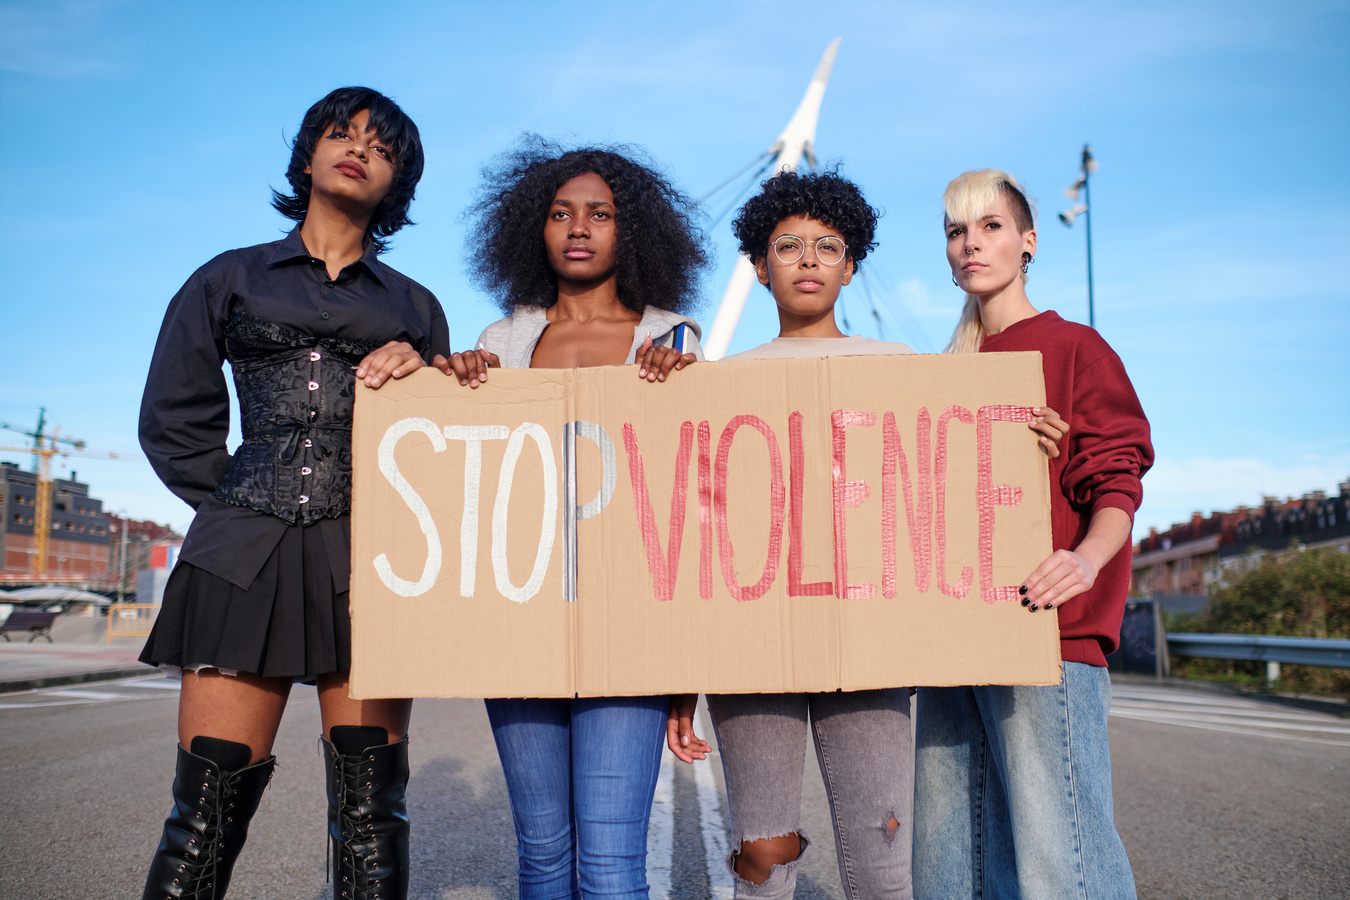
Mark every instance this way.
x=142 y=138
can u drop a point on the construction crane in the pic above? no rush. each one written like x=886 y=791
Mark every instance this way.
x=44 y=447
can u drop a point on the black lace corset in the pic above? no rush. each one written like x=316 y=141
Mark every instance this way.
x=296 y=394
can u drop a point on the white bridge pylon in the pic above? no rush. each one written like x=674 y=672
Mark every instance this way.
x=797 y=140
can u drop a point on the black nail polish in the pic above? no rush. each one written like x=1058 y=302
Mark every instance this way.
x=1022 y=589
x=1034 y=607
x=1050 y=605
x=1026 y=600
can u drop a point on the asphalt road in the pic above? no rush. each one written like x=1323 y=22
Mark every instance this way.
x=1220 y=796
x=1216 y=796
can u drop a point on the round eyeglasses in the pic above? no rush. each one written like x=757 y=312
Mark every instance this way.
x=829 y=250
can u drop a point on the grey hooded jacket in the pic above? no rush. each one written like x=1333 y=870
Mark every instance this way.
x=513 y=338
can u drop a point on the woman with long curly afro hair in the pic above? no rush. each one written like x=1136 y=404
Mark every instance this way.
x=594 y=258
x=659 y=255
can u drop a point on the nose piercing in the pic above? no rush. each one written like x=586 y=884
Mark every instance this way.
x=970 y=251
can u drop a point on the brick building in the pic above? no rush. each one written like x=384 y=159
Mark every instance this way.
x=1189 y=557
x=148 y=546
x=78 y=546
x=1313 y=520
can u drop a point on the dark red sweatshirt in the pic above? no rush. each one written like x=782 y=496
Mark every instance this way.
x=1099 y=465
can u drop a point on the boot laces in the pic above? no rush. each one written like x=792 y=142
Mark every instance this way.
x=199 y=873
x=355 y=853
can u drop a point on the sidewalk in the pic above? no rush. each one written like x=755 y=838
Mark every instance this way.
x=79 y=652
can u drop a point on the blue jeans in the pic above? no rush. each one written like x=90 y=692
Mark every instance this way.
x=581 y=775
x=1012 y=793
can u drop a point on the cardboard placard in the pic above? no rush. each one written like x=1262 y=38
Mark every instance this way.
x=760 y=525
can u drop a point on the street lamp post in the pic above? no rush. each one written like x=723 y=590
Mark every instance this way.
x=1089 y=165
x=122 y=574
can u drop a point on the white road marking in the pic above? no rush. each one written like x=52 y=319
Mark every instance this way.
x=714 y=832
x=661 y=830
x=1175 y=698
x=1267 y=722
x=1245 y=712
x=1232 y=715
x=1177 y=701
x=720 y=884
x=35 y=705
x=1284 y=737
x=142 y=688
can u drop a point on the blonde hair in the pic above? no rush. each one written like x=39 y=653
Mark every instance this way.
x=970 y=197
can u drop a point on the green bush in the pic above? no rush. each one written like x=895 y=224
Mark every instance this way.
x=1297 y=594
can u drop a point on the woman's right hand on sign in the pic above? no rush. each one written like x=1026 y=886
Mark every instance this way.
x=1050 y=429
x=655 y=363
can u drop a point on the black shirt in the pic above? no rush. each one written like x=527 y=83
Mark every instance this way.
x=185 y=412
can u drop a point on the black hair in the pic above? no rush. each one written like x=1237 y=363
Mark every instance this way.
x=659 y=258
x=825 y=196
x=395 y=130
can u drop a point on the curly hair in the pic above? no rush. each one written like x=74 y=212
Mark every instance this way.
x=824 y=196
x=394 y=128
x=659 y=260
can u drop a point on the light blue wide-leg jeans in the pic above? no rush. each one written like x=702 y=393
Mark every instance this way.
x=1012 y=793
x=581 y=775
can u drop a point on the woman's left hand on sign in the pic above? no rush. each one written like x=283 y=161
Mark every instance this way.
x=1068 y=573
x=680 y=736
x=1050 y=427
x=1060 y=578
x=655 y=363
x=470 y=367
x=395 y=359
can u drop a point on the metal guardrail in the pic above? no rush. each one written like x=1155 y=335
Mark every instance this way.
x=1300 y=651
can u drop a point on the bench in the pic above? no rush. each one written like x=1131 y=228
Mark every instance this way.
x=35 y=621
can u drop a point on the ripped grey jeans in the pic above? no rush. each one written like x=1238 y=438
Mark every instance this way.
x=866 y=756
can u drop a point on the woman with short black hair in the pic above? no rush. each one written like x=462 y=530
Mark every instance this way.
x=258 y=599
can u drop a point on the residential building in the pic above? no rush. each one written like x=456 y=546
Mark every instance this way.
x=77 y=549
x=1313 y=520
x=148 y=546
x=1189 y=557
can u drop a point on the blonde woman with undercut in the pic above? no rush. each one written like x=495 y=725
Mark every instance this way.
x=1013 y=783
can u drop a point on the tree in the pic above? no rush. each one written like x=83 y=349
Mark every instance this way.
x=1301 y=593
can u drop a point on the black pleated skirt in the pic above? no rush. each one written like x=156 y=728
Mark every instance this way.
x=289 y=623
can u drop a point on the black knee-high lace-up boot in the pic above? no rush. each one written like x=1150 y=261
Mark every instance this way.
x=367 y=813
x=214 y=800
